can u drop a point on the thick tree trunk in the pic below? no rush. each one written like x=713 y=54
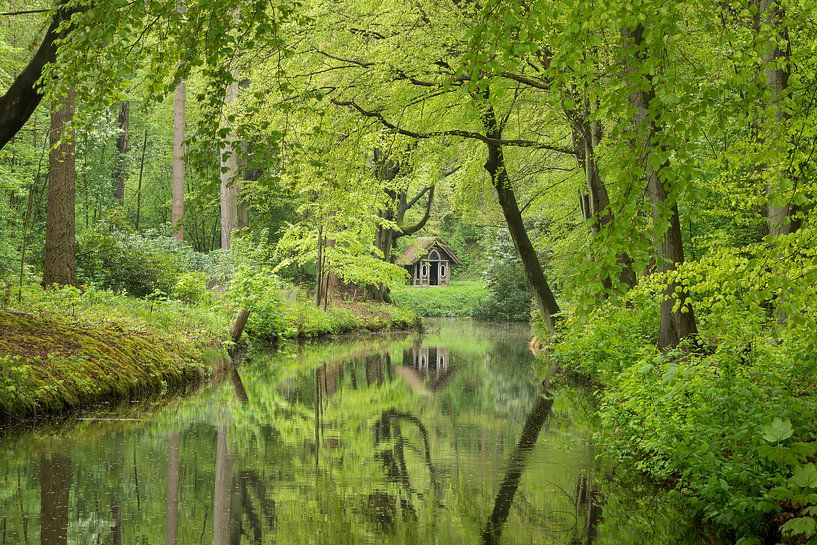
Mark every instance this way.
x=675 y=325
x=60 y=241
x=239 y=324
x=229 y=182
x=222 y=493
x=177 y=190
x=122 y=148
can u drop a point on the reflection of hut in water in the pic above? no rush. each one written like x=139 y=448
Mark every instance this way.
x=431 y=363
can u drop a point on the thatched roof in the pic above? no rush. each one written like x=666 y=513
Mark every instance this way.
x=421 y=247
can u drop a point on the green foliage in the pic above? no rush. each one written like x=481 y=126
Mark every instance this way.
x=691 y=417
x=510 y=298
x=459 y=298
x=257 y=289
x=191 y=288
x=128 y=262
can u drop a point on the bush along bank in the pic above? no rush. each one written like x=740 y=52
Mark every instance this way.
x=726 y=419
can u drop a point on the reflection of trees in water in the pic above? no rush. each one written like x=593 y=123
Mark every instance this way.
x=55 y=483
x=516 y=465
x=233 y=501
x=382 y=506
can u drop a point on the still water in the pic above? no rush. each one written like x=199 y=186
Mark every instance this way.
x=448 y=438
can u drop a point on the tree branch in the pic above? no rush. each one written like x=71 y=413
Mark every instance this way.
x=419 y=196
x=23 y=97
x=407 y=231
x=454 y=132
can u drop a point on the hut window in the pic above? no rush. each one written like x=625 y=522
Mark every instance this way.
x=442 y=270
x=424 y=270
x=433 y=256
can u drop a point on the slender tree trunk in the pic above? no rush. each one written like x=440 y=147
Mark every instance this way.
x=319 y=269
x=229 y=182
x=675 y=325
x=516 y=465
x=495 y=166
x=122 y=148
x=60 y=237
x=596 y=202
x=139 y=185
x=177 y=197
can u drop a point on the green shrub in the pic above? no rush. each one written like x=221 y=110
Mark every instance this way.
x=191 y=288
x=257 y=289
x=608 y=340
x=510 y=294
x=128 y=262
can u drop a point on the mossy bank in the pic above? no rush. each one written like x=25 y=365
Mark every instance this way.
x=50 y=366
x=66 y=349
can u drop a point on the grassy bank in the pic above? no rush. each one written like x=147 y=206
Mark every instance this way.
x=458 y=299
x=63 y=349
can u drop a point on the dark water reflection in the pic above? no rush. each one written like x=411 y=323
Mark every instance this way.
x=449 y=439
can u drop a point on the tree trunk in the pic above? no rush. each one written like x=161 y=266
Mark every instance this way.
x=229 y=181
x=495 y=166
x=675 y=325
x=596 y=202
x=177 y=197
x=222 y=492
x=122 y=147
x=139 y=183
x=60 y=241
x=776 y=61
x=516 y=465
x=238 y=325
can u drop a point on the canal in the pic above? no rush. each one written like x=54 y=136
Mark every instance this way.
x=445 y=438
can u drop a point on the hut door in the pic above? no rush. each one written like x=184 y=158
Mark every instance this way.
x=434 y=261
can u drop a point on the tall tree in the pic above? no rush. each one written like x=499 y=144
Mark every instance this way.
x=177 y=198
x=676 y=323
x=228 y=158
x=60 y=239
x=776 y=58
x=122 y=148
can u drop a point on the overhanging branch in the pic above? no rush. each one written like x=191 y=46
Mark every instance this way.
x=452 y=132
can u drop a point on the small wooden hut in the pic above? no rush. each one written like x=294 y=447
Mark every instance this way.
x=428 y=261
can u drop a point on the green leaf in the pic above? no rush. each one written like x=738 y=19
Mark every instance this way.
x=805 y=476
x=777 y=430
x=800 y=526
